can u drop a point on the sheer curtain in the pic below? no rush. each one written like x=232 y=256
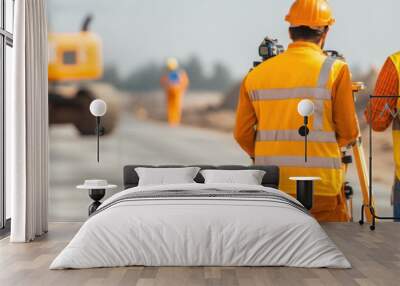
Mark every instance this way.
x=27 y=123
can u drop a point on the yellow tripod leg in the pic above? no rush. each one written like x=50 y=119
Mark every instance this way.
x=349 y=208
x=362 y=172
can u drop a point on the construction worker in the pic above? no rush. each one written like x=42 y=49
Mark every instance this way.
x=175 y=83
x=381 y=112
x=267 y=121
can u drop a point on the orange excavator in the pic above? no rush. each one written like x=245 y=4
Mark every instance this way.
x=75 y=62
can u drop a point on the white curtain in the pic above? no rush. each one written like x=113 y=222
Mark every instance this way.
x=27 y=123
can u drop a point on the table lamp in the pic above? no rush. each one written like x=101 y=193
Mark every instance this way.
x=305 y=109
x=98 y=108
x=305 y=185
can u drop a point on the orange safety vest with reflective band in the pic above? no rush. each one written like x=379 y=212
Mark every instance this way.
x=278 y=141
x=396 y=121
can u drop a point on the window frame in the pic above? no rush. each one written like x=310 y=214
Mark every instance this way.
x=6 y=39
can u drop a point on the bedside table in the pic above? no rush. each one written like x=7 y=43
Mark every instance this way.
x=305 y=190
x=97 y=190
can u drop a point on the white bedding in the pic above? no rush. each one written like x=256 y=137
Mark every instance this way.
x=200 y=232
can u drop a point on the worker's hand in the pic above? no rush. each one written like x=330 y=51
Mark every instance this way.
x=354 y=143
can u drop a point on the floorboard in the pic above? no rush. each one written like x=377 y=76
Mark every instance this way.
x=375 y=257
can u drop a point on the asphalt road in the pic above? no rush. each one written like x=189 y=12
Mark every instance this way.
x=73 y=159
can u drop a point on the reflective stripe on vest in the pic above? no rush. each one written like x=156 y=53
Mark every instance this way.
x=293 y=135
x=322 y=83
x=325 y=72
x=290 y=93
x=298 y=161
x=318 y=94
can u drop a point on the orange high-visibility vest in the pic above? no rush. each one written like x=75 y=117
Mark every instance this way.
x=174 y=92
x=275 y=98
x=396 y=121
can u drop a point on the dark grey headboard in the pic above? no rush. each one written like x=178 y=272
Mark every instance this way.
x=271 y=178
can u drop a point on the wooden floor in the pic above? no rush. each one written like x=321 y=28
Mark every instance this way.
x=375 y=257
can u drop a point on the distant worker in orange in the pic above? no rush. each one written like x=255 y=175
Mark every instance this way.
x=175 y=82
x=267 y=121
x=384 y=111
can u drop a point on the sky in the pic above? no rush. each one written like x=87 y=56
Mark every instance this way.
x=135 y=32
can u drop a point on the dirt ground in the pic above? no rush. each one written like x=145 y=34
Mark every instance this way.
x=200 y=109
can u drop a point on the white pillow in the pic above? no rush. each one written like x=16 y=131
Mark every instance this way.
x=247 y=177
x=166 y=176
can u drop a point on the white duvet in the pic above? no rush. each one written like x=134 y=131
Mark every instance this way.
x=200 y=232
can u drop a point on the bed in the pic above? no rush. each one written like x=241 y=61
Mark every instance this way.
x=201 y=224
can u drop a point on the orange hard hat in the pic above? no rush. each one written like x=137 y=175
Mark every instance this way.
x=311 y=13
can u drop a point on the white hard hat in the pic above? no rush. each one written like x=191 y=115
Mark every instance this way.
x=172 y=63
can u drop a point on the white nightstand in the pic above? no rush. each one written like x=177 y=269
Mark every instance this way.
x=97 y=190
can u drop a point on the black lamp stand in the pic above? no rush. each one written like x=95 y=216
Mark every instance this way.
x=304 y=131
x=99 y=132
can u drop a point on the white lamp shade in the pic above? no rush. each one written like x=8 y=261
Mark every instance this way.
x=305 y=107
x=98 y=107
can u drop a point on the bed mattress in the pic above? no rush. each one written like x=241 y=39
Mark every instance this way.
x=201 y=225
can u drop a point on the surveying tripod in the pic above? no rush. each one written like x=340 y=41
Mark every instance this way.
x=362 y=173
x=368 y=207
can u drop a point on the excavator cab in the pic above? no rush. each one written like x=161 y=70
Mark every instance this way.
x=74 y=56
